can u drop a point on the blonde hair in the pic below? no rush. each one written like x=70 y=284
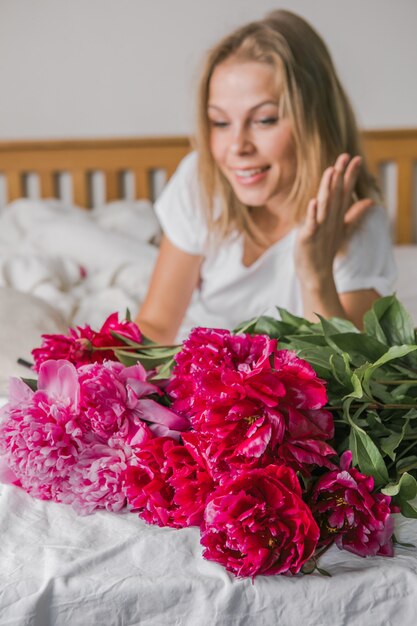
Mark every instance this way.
x=323 y=123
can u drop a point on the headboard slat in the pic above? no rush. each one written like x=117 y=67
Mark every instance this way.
x=15 y=185
x=142 y=184
x=404 y=221
x=113 y=185
x=47 y=184
x=81 y=188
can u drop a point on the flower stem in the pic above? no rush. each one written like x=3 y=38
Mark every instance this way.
x=374 y=406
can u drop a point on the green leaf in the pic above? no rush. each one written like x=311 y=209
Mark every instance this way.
x=31 y=383
x=397 y=323
x=406 y=488
x=389 y=322
x=393 y=353
x=323 y=572
x=390 y=444
x=128 y=317
x=126 y=358
x=272 y=327
x=164 y=371
x=409 y=509
x=294 y=321
x=248 y=326
x=406 y=464
x=403 y=493
x=367 y=456
x=361 y=348
x=126 y=340
x=337 y=325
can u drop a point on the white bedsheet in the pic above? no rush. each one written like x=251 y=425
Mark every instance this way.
x=107 y=569
x=86 y=264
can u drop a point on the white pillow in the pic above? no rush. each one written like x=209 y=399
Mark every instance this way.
x=23 y=319
x=133 y=218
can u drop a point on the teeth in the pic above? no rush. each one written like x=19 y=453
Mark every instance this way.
x=249 y=173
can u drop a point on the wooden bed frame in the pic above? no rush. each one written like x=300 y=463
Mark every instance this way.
x=113 y=157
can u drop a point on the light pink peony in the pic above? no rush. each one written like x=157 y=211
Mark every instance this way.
x=81 y=343
x=350 y=514
x=116 y=406
x=96 y=480
x=41 y=432
x=257 y=523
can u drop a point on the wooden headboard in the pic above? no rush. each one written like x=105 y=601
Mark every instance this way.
x=397 y=147
x=80 y=159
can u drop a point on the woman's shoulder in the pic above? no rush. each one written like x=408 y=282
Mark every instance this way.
x=179 y=208
x=187 y=167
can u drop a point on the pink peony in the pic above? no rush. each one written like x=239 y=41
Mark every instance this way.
x=41 y=432
x=257 y=523
x=116 y=406
x=146 y=485
x=252 y=402
x=350 y=514
x=209 y=354
x=96 y=480
x=169 y=484
x=84 y=345
x=191 y=480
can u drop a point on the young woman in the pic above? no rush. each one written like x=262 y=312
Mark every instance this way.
x=276 y=207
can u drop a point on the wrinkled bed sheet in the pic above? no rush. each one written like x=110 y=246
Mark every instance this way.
x=86 y=264
x=107 y=569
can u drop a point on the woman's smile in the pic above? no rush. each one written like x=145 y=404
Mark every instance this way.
x=251 y=143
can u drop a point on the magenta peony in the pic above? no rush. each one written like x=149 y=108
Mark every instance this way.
x=169 y=484
x=257 y=523
x=84 y=345
x=191 y=480
x=146 y=483
x=254 y=404
x=350 y=514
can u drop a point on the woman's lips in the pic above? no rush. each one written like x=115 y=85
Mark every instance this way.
x=250 y=176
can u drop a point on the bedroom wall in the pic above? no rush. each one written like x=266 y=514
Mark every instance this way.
x=91 y=68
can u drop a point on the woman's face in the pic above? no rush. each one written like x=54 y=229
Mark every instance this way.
x=252 y=145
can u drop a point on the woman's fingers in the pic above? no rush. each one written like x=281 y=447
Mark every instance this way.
x=357 y=210
x=329 y=197
x=350 y=179
x=324 y=194
x=342 y=162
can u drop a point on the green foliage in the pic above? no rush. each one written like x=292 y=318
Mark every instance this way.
x=372 y=388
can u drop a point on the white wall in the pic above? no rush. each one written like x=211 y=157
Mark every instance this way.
x=91 y=68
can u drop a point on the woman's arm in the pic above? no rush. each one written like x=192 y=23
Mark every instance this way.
x=320 y=239
x=174 y=279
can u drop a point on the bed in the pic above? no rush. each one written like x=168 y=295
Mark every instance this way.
x=66 y=204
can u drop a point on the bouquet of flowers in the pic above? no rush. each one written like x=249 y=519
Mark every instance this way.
x=276 y=440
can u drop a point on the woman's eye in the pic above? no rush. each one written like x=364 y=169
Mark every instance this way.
x=266 y=121
x=218 y=124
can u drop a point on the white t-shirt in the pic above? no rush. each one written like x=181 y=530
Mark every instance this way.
x=230 y=292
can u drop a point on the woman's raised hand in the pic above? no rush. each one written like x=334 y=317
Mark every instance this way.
x=323 y=231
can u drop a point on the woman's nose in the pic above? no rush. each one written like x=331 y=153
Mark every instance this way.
x=240 y=142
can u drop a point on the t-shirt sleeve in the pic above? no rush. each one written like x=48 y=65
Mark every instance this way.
x=179 y=209
x=369 y=260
